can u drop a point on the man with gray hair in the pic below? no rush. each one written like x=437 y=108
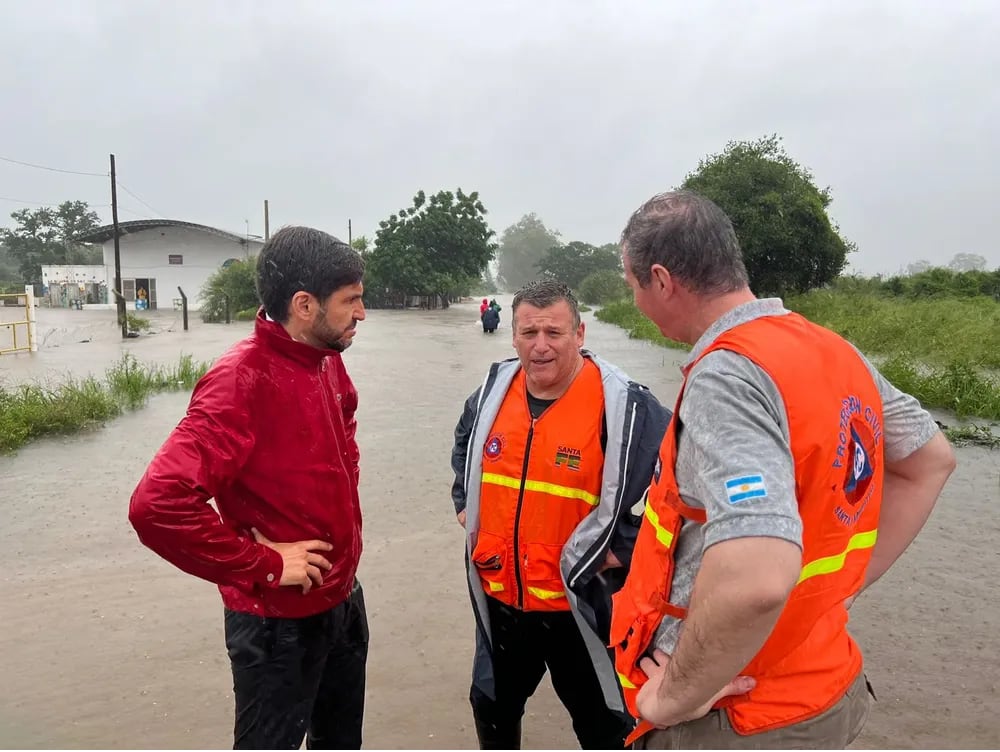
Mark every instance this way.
x=790 y=479
x=551 y=454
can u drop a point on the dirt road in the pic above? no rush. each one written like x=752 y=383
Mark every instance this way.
x=104 y=645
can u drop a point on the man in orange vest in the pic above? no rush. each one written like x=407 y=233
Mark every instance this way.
x=791 y=477
x=551 y=454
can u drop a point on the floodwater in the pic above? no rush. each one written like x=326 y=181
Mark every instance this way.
x=105 y=645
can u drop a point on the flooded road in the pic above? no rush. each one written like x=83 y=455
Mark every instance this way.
x=105 y=645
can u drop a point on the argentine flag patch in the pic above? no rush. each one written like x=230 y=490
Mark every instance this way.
x=745 y=487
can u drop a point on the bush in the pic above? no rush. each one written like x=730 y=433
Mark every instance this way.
x=238 y=281
x=247 y=314
x=136 y=323
x=601 y=288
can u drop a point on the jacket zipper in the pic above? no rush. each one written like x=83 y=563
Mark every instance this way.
x=517 y=519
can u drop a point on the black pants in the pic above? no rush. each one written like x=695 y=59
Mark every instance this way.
x=524 y=644
x=299 y=677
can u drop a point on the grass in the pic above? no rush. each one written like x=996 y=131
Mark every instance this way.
x=973 y=436
x=623 y=313
x=944 y=351
x=927 y=330
x=32 y=411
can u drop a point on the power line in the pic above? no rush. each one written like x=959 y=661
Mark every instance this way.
x=132 y=194
x=48 y=203
x=78 y=172
x=53 y=169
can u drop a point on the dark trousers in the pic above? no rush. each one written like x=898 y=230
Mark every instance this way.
x=296 y=678
x=525 y=643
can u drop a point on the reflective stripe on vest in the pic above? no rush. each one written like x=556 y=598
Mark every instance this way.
x=831 y=564
x=552 y=489
x=834 y=414
x=663 y=535
x=541 y=477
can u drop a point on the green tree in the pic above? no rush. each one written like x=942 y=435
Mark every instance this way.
x=238 y=282
x=522 y=247
x=967 y=262
x=439 y=247
x=789 y=243
x=47 y=235
x=603 y=287
x=9 y=270
x=487 y=285
x=917 y=267
x=576 y=260
x=361 y=244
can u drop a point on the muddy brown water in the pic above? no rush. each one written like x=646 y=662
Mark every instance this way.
x=105 y=645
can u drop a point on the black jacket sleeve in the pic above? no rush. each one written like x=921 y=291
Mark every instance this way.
x=651 y=425
x=463 y=433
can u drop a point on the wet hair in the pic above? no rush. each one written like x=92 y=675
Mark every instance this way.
x=688 y=235
x=304 y=259
x=544 y=293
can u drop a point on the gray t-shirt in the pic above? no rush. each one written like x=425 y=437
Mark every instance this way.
x=734 y=425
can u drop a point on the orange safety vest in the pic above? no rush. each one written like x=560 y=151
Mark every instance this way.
x=834 y=413
x=540 y=478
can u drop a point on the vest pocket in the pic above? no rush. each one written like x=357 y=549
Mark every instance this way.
x=490 y=560
x=542 y=578
x=632 y=635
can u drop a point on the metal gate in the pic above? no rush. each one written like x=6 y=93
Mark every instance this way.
x=19 y=335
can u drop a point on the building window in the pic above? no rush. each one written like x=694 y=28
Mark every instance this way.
x=175 y=259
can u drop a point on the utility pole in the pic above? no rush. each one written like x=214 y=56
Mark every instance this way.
x=119 y=298
x=267 y=223
x=349 y=239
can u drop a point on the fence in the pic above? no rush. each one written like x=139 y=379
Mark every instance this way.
x=27 y=341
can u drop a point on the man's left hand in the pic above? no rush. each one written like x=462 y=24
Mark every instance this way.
x=656 y=705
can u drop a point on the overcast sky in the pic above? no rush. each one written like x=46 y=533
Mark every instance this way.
x=577 y=111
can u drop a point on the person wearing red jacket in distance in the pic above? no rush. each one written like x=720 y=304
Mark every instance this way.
x=270 y=435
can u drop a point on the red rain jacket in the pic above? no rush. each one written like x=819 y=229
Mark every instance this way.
x=270 y=435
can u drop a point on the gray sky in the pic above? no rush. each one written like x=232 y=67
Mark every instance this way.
x=575 y=110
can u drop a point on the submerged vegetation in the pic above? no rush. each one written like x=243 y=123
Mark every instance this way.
x=31 y=411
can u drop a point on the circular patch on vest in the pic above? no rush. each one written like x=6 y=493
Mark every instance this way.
x=494 y=447
x=860 y=452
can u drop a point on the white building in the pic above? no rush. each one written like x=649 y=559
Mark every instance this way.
x=160 y=255
x=68 y=285
x=80 y=274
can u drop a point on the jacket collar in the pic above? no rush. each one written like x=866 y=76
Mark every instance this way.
x=273 y=335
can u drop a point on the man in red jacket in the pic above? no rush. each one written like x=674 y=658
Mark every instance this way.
x=270 y=435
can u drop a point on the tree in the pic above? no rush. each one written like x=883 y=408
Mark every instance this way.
x=917 y=267
x=47 y=236
x=522 y=246
x=572 y=262
x=487 y=285
x=238 y=282
x=361 y=244
x=789 y=243
x=967 y=262
x=439 y=248
x=8 y=267
x=604 y=287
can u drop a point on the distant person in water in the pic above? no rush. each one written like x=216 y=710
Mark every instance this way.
x=491 y=319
